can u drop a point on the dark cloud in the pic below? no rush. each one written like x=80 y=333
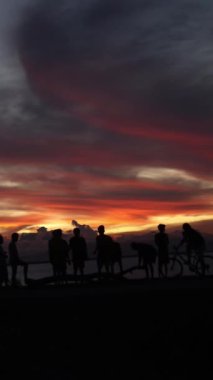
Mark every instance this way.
x=154 y=55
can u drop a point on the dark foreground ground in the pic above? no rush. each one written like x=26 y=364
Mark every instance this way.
x=155 y=330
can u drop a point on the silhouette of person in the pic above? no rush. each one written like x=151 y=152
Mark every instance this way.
x=193 y=240
x=146 y=253
x=15 y=260
x=104 y=248
x=58 y=254
x=162 y=242
x=116 y=256
x=3 y=264
x=78 y=249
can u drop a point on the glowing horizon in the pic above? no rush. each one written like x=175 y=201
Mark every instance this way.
x=66 y=226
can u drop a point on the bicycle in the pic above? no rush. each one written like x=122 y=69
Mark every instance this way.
x=200 y=265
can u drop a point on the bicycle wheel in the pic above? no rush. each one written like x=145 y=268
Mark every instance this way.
x=174 y=269
x=204 y=266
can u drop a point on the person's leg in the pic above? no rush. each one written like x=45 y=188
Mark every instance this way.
x=6 y=275
x=162 y=271
x=120 y=265
x=64 y=273
x=199 y=253
x=107 y=265
x=166 y=269
x=60 y=274
x=151 y=270
x=14 y=272
x=146 y=270
x=56 y=273
x=81 y=270
x=100 y=265
x=112 y=267
x=25 y=266
x=159 y=269
x=1 y=276
x=139 y=259
x=75 y=269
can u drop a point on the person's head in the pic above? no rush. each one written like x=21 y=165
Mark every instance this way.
x=15 y=237
x=1 y=239
x=57 y=233
x=101 y=230
x=76 y=232
x=186 y=227
x=161 y=227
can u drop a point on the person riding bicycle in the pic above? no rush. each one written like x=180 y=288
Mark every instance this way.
x=194 y=242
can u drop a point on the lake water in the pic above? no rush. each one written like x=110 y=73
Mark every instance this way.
x=37 y=271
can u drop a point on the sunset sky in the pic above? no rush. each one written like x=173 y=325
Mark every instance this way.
x=105 y=113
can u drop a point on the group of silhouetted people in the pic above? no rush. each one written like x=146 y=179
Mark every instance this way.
x=107 y=251
x=14 y=261
x=192 y=239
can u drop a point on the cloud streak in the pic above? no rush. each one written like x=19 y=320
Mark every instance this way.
x=106 y=110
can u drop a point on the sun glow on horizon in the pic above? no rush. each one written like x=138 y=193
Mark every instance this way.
x=113 y=228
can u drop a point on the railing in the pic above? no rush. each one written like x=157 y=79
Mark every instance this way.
x=88 y=259
x=131 y=271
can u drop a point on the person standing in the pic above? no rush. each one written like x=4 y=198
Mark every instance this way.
x=162 y=242
x=104 y=249
x=3 y=264
x=15 y=260
x=78 y=249
x=58 y=254
x=116 y=256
